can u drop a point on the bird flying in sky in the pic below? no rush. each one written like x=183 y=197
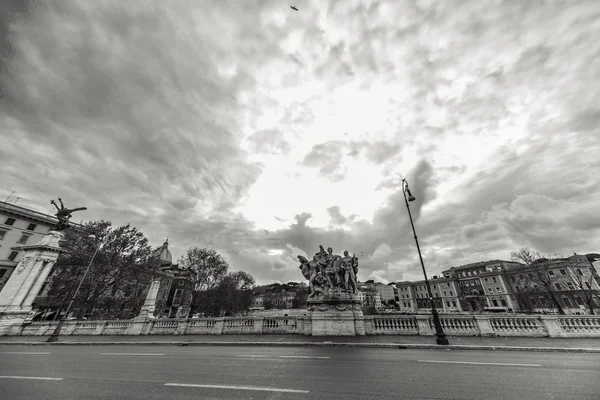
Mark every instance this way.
x=293 y=8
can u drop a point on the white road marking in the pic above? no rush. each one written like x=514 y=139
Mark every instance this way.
x=479 y=363
x=132 y=354
x=301 y=357
x=264 y=389
x=24 y=352
x=43 y=378
x=250 y=355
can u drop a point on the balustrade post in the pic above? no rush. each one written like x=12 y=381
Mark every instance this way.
x=552 y=325
x=135 y=328
x=369 y=325
x=148 y=326
x=182 y=325
x=99 y=328
x=483 y=324
x=424 y=325
x=219 y=325
x=258 y=325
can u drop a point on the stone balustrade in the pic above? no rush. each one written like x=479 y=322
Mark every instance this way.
x=454 y=325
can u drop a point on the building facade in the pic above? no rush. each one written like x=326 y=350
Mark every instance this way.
x=546 y=285
x=19 y=226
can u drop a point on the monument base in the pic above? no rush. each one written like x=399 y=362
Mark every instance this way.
x=12 y=322
x=336 y=313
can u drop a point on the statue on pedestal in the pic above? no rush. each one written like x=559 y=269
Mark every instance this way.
x=328 y=272
x=64 y=214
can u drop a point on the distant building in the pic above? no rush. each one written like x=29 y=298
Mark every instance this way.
x=479 y=295
x=571 y=281
x=19 y=226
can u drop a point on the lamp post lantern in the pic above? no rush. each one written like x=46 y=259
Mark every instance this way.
x=61 y=321
x=439 y=331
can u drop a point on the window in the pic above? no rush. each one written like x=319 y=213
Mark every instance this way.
x=543 y=301
x=31 y=227
x=9 y=221
x=2 y=233
x=579 y=271
x=520 y=276
x=495 y=302
x=181 y=283
x=567 y=301
x=2 y=273
x=23 y=239
x=448 y=303
x=451 y=293
x=588 y=285
x=435 y=286
x=533 y=302
x=558 y=287
x=453 y=303
x=490 y=290
x=563 y=272
x=536 y=287
x=486 y=279
x=551 y=273
x=512 y=278
x=530 y=276
x=570 y=285
x=578 y=300
x=498 y=290
x=13 y=255
x=503 y=302
x=494 y=280
x=445 y=293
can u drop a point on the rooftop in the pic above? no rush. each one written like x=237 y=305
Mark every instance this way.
x=27 y=213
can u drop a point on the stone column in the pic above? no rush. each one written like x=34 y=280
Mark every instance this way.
x=25 y=282
x=45 y=269
x=150 y=303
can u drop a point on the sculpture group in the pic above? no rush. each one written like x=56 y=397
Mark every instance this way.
x=328 y=271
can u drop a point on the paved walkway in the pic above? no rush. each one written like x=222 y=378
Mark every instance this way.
x=462 y=342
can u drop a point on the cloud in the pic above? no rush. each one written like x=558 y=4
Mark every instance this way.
x=232 y=127
x=336 y=216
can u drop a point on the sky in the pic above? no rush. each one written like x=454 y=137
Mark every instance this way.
x=262 y=132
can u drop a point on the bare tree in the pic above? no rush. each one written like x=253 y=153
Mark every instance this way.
x=586 y=285
x=539 y=273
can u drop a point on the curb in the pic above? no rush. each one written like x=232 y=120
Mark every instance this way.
x=318 y=344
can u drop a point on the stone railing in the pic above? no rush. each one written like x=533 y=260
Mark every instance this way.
x=454 y=325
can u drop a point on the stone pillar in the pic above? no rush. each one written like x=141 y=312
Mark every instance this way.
x=483 y=323
x=147 y=309
x=258 y=325
x=424 y=325
x=25 y=282
x=552 y=326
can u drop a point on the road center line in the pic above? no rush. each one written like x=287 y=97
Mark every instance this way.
x=132 y=354
x=25 y=352
x=251 y=355
x=43 y=378
x=479 y=363
x=301 y=357
x=256 y=388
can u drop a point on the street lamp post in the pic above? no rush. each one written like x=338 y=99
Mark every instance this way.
x=61 y=321
x=439 y=331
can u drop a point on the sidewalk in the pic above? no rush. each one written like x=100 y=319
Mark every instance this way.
x=586 y=345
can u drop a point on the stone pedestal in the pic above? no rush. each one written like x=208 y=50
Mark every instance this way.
x=335 y=314
x=150 y=304
x=26 y=281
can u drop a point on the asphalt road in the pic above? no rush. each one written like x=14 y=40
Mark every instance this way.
x=174 y=372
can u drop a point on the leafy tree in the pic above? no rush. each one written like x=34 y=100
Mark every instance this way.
x=208 y=267
x=232 y=295
x=122 y=268
x=535 y=262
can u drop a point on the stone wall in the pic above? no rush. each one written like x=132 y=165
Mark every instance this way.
x=454 y=325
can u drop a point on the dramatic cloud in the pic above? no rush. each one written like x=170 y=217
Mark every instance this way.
x=263 y=132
